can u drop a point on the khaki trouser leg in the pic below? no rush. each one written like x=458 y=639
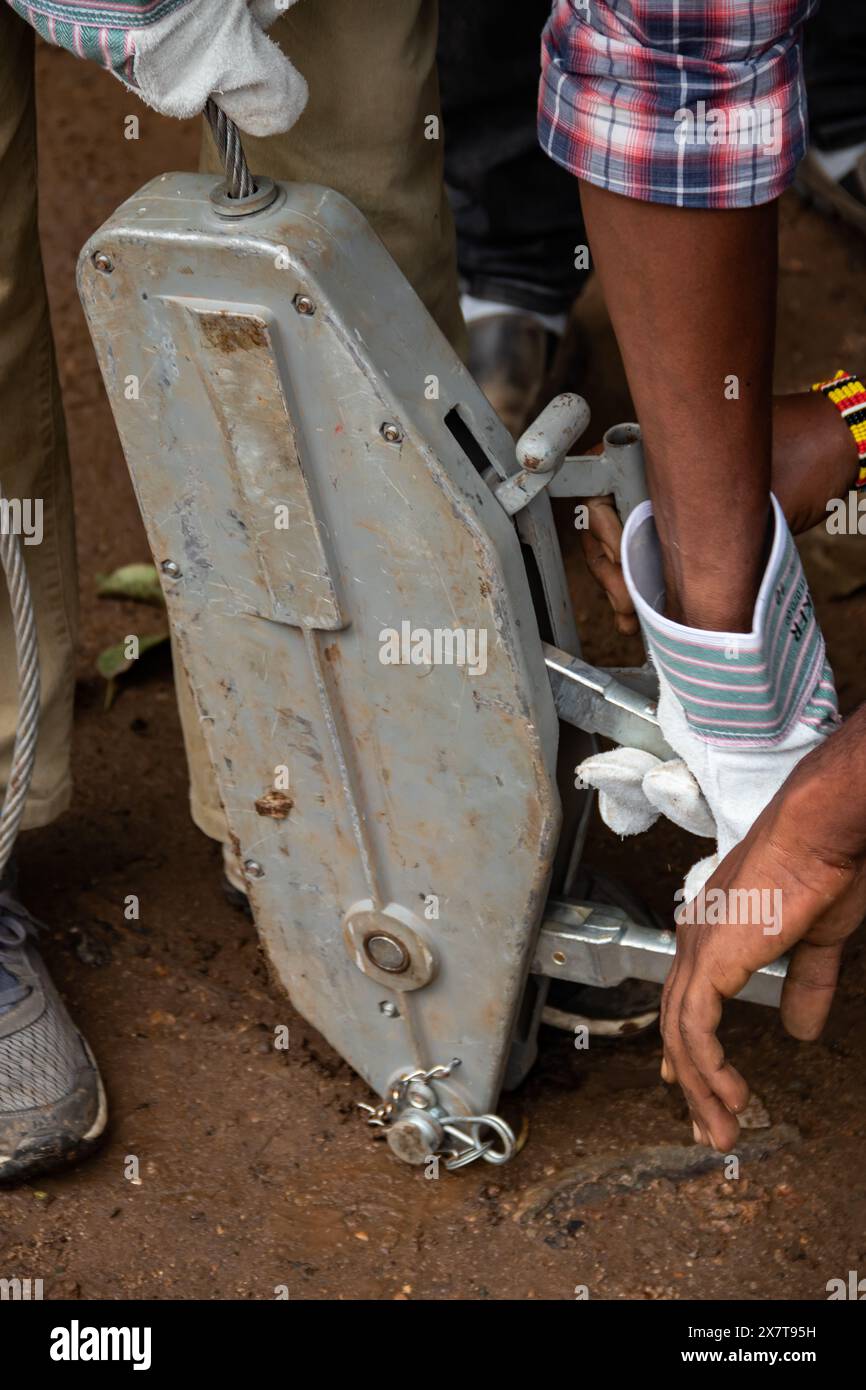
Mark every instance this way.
x=371 y=69
x=33 y=457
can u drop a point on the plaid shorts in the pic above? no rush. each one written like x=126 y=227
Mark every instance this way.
x=697 y=103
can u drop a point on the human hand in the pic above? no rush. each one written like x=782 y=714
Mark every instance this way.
x=200 y=49
x=203 y=50
x=798 y=878
x=601 y=543
x=814 y=459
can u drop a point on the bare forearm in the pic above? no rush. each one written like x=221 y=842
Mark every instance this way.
x=691 y=295
x=814 y=457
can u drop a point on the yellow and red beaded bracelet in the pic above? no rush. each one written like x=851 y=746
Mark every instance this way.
x=848 y=394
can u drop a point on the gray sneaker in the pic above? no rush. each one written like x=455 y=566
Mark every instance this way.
x=509 y=357
x=52 y=1102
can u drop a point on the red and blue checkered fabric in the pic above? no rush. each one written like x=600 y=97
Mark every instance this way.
x=675 y=101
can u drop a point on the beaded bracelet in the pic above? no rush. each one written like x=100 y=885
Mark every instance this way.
x=848 y=394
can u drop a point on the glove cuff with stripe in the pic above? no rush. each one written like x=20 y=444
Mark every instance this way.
x=745 y=690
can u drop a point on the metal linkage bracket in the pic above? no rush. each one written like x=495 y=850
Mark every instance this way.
x=545 y=463
x=595 y=699
x=599 y=945
x=618 y=470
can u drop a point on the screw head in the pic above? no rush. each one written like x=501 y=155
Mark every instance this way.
x=102 y=262
x=388 y=1009
x=171 y=569
x=253 y=869
x=391 y=433
x=387 y=952
x=304 y=304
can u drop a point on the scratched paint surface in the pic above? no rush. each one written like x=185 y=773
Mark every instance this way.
x=427 y=787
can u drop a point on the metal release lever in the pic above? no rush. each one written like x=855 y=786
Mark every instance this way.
x=599 y=945
x=595 y=700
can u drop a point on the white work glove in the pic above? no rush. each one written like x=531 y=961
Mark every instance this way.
x=635 y=788
x=219 y=48
x=740 y=709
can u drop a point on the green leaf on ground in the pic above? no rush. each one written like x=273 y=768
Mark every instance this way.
x=139 y=583
x=114 y=663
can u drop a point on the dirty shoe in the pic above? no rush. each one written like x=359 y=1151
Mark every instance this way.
x=509 y=357
x=52 y=1103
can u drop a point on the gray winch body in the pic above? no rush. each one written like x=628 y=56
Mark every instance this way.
x=323 y=484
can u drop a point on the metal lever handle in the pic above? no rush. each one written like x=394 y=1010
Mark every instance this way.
x=544 y=446
x=542 y=449
x=599 y=945
x=593 y=699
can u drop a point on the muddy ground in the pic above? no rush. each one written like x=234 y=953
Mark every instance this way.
x=255 y=1169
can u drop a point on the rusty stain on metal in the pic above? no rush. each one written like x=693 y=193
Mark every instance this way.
x=232 y=333
x=274 y=803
